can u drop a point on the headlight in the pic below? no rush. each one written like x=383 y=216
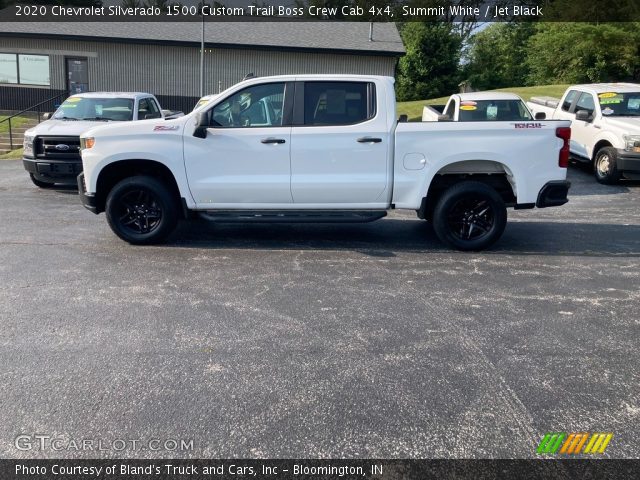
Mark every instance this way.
x=28 y=145
x=87 y=143
x=631 y=143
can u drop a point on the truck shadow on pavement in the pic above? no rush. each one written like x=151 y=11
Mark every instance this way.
x=584 y=183
x=388 y=237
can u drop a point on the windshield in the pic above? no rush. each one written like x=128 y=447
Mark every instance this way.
x=615 y=104
x=98 y=109
x=493 y=110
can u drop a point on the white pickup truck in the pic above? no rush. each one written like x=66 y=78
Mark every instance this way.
x=479 y=107
x=320 y=148
x=605 y=124
x=52 y=148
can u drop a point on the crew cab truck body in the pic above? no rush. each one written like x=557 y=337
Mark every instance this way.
x=333 y=152
x=52 y=148
x=605 y=125
x=479 y=107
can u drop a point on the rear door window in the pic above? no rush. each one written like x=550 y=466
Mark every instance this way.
x=338 y=103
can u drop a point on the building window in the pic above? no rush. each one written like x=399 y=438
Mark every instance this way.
x=33 y=69
x=8 y=68
x=24 y=69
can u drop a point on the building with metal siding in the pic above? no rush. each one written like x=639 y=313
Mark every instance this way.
x=164 y=59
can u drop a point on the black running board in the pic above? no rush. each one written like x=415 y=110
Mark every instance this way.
x=293 y=216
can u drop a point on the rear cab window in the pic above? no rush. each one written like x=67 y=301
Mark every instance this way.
x=493 y=110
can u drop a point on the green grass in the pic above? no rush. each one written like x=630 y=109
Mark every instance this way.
x=12 y=155
x=414 y=109
x=15 y=122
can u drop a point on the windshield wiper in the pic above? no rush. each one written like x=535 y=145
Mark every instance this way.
x=65 y=118
x=101 y=119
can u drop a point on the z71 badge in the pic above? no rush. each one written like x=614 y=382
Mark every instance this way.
x=165 y=128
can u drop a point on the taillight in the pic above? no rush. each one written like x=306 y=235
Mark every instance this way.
x=565 y=134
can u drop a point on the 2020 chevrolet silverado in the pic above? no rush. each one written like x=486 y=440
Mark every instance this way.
x=605 y=123
x=52 y=148
x=320 y=148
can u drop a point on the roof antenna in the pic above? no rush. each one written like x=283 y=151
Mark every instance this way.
x=249 y=75
x=371 y=31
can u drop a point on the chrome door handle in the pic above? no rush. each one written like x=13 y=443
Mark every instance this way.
x=273 y=140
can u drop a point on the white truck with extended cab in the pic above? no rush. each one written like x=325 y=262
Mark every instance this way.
x=320 y=148
x=52 y=148
x=605 y=125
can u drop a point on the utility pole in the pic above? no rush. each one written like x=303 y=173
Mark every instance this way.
x=202 y=57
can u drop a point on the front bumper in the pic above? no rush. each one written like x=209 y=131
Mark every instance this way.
x=57 y=170
x=88 y=199
x=628 y=161
x=553 y=194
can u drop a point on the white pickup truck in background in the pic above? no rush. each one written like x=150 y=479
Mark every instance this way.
x=320 y=148
x=52 y=148
x=605 y=126
x=479 y=107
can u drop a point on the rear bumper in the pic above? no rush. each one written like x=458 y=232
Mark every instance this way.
x=628 y=161
x=553 y=194
x=53 y=169
x=88 y=200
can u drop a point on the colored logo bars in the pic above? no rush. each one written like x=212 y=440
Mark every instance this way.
x=574 y=443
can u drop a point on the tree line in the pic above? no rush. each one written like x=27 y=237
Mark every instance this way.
x=515 y=54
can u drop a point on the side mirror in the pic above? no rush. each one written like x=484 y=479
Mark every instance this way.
x=583 y=115
x=403 y=118
x=444 y=118
x=46 y=116
x=540 y=116
x=202 y=122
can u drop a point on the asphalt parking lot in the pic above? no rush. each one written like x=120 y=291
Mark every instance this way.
x=320 y=340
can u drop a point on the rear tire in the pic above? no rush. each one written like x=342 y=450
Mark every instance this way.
x=470 y=216
x=141 y=210
x=40 y=183
x=605 y=166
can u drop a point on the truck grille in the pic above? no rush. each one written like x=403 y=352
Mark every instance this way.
x=53 y=148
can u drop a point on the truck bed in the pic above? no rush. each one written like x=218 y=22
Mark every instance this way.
x=551 y=102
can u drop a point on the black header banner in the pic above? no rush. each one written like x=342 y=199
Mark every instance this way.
x=115 y=469
x=320 y=10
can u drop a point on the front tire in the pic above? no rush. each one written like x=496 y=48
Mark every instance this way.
x=141 y=210
x=605 y=166
x=470 y=216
